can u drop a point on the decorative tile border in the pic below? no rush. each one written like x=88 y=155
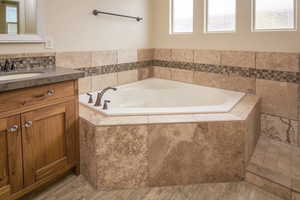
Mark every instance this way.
x=107 y=69
x=27 y=63
x=281 y=76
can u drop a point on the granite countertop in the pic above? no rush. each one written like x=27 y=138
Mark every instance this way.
x=48 y=76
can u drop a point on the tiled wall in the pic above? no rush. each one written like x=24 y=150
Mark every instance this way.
x=108 y=68
x=273 y=76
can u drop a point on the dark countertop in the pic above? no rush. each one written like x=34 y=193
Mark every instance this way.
x=48 y=76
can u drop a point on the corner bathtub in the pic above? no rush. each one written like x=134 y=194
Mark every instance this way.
x=158 y=97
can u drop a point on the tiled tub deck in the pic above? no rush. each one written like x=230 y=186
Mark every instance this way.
x=140 y=151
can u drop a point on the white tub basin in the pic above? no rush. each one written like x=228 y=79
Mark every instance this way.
x=18 y=76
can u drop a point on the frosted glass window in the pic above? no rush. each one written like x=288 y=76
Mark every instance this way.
x=11 y=14
x=274 y=14
x=220 y=15
x=12 y=28
x=182 y=16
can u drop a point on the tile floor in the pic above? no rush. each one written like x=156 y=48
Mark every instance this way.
x=77 y=188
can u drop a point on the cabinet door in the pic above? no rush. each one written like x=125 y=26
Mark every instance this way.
x=48 y=136
x=11 y=169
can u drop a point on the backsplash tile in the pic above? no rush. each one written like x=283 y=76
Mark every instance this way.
x=207 y=57
x=288 y=62
x=27 y=63
x=163 y=54
x=127 y=56
x=183 y=55
x=145 y=54
x=238 y=58
x=74 y=60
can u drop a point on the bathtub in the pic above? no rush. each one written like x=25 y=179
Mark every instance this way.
x=159 y=97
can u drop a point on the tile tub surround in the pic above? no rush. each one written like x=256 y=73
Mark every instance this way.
x=139 y=151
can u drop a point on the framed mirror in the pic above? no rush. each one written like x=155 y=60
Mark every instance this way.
x=18 y=21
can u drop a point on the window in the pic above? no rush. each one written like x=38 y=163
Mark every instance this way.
x=220 y=15
x=12 y=19
x=274 y=14
x=182 y=16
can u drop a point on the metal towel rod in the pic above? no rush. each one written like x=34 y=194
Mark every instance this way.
x=97 y=12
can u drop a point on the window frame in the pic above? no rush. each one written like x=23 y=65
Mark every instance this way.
x=206 y=31
x=253 y=20
x=171 y=21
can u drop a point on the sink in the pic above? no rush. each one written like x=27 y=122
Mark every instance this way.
x=18 y=76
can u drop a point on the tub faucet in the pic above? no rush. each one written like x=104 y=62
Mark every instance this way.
x=100 y=95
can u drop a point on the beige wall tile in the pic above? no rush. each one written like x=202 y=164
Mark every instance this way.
x=280 y=129
x=162 y=72
x=178 y=151
x=127 y=56
x=163 y=54
x=145 y=54
x=278 y=98
x=104 y=80
x=85 y=85
x=183 y=55
x=207 y=57
x=235 y=83
x=238 y=58
x=101 y=58
x=278 y=61
x=74 y=59
x=121 y=157
x=127 y=77
x=144 y=73
x=182 y=75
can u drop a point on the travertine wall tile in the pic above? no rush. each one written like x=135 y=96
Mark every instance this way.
x=235 y=83
x=101 y=58
x=127 y=77
x=178 y=151
x=238 y=58
x=74 y=60
x=278 y=61
x=163 y=54
x=182 y=75
x=280 y=129
x=102 y=81
x=145 y=54
x=278 y=98
x=127 y=56
x=121 y=157
x=207 y=57
x=162 y=72
x=183 y=55
x=146 y=72
x=85 y=85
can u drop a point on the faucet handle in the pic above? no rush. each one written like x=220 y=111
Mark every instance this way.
x=91 y=97
x=105 y=106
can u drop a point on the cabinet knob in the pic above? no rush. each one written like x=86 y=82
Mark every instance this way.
x=14 y=128
x=28 y=124
x=50 y=92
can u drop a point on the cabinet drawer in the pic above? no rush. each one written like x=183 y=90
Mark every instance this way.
x=36 y=95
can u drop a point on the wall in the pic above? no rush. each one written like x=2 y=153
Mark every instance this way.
x=73 y=27
x=243 y=39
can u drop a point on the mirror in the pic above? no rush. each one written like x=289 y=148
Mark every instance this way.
x=18 y=20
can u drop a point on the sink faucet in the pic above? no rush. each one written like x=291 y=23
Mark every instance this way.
x=100 y=95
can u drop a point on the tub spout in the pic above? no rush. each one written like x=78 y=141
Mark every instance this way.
x=100 y=95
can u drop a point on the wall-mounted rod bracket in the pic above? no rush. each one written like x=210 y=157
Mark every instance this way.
x=97 y=12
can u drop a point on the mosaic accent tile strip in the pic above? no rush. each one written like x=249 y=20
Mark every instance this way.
x=27 y=63
x=281 y=76
x=107 y=69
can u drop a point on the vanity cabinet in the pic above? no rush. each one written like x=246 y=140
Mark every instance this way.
x=38 y=137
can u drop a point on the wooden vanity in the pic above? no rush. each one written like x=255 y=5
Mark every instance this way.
x=38 y=137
